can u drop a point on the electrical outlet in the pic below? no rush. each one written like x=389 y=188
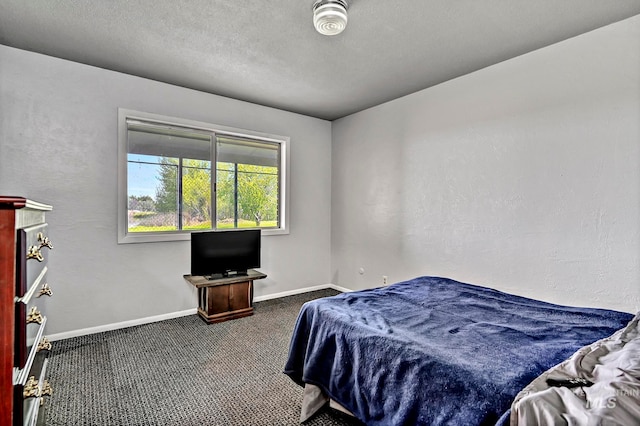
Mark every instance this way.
x=384 y=280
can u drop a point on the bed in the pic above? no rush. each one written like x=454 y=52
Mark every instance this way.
x=433 y=351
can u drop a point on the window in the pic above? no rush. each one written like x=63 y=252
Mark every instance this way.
x=177 y=176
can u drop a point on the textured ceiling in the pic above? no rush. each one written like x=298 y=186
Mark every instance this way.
x=268 y=53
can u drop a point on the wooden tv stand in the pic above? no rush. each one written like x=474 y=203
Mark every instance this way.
x=225 y=298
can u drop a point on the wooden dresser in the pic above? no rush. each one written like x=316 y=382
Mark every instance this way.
x=24 y=248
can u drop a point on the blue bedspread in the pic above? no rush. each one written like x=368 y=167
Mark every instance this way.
x=433 y=351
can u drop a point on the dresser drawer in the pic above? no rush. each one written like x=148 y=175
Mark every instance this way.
x=29 y=216
x=30 y=319
x=33 y=246
x=29 y=396
x=29 y=334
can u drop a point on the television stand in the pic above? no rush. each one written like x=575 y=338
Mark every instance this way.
x=225 y=298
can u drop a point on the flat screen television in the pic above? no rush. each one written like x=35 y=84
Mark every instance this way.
x=225 y=253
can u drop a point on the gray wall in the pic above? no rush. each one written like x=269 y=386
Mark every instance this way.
x=58 y=144
x=523 y=176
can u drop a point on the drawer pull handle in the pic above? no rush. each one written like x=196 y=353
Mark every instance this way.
x=45 y=290
x=44 y=345
x=31 y=388
x=47 y=390
x=34 y=316
x=44 y=241
x=34 y=251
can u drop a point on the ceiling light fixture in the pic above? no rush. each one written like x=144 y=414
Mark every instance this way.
x=330 y=16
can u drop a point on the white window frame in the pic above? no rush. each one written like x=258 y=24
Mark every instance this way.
x=125 y=237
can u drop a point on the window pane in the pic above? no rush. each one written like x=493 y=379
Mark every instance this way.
x=245 y=151
x=151 y=193
x=166 y=141
x=226 y=197
x=196 y=194
x=175 y=163
x=248 y=190
x=258 y=196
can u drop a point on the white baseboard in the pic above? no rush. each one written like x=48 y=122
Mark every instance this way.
x=156 y=318
x=300 y=291
x=119 y=325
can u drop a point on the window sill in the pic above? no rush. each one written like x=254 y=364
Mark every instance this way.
x=156 y=237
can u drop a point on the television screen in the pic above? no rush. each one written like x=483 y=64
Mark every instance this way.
x=225 y=253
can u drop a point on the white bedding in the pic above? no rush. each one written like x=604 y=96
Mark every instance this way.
x=612 y=364
x=313 y=399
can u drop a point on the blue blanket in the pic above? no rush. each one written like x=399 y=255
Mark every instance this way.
x=433 y=351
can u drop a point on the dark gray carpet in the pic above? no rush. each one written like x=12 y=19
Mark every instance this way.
x=184 y=372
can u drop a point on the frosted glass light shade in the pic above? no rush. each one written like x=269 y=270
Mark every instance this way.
x=330 y=16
